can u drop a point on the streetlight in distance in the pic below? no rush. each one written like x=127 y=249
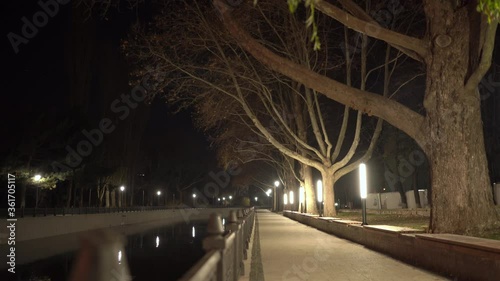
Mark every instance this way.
x=319 y=191
x=285 y=199
x=230 y=197
x=363 y=190
x=37 y=178
x=275 y=199
x=256 y=198
x=194 y=198
x=122 y=189
x=158 y=193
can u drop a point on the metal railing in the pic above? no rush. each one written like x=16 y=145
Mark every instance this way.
x=225 y=251
x=223 y=261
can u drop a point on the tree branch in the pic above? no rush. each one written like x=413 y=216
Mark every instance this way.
x=354 y=9
x=391 y=111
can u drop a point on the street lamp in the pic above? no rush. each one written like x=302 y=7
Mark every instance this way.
x=158 y=193
x=363 y=190
x=290 y=197
x=275 y=199
x=256 y=199
x=319 y=191
x=230 y=197
x=37 y=178
x=285 y=199
x=122 y=189
x=194 y=198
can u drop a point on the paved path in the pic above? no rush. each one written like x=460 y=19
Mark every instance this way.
x=284 y=249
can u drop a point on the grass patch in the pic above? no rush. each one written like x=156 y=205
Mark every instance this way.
x=407 y=220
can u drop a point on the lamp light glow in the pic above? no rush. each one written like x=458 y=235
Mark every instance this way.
x=122 y=188
x=194 y=195
x=362 y=181
x=157 y=241
x=256 y=198
x=158 y=193
x=193 y=232
x=276 y=183
x=285 y=199
x=268 y=192
x=37 y=177
x=301 y=195
x=291 y=197
x=319 y=190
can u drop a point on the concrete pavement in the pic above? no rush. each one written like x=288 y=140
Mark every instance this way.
x=284 y=249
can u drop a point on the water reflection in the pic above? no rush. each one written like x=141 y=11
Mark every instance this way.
x=181 y=247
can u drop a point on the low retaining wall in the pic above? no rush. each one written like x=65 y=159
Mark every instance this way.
x=462 y=257
x=40 y=227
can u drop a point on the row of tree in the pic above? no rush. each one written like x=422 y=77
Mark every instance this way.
x=265 y=93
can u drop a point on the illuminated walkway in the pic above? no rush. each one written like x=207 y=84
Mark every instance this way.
x=284 y=249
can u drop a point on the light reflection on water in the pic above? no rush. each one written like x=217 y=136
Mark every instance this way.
x=148 y=259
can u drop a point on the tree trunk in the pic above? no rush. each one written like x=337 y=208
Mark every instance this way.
x=328 y=194
x=24 y=183
x=113 y=198
x=81 y=197
x=462 y=201
x=107 y=197
x=415 y=190
x=70 y=193
x=310 y=192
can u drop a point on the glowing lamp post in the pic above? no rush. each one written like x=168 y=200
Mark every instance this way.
x=37 y=178
x=319 y=191
x=290 y=197
x=122 y=189
x=158 y=193
x=194 y=199
x=363 y=190
x=275 y=199
x=301 y=198
x=285 y=199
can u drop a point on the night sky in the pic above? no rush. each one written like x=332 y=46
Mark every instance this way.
x=36 y=80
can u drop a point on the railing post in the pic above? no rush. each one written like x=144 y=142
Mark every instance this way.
x=233 y=225
x=215 y=241
x=241 y=220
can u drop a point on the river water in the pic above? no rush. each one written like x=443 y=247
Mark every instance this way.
x=158 y=253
